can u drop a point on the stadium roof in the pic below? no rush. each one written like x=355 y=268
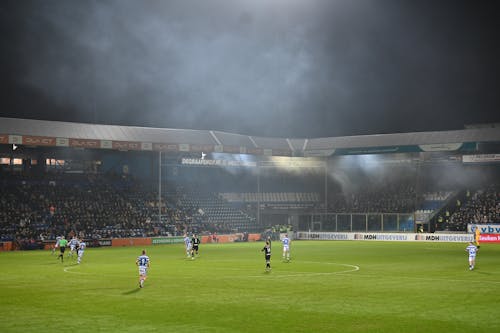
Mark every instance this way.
x=54 y=133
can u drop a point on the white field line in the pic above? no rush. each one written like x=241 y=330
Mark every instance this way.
x=350 y=269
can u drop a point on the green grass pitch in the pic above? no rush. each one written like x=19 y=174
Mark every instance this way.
x=327 y=287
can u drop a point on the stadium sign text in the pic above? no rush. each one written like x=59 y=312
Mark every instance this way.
x=484 y=228
x=490 y=238
x=167 y=240
x=398 y=237
x=199 y=161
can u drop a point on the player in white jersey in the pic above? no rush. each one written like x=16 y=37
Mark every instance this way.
x=188 y=244
x=286 y=247
x=73 y=244
x=58 y=238
x=472 y=250
x=81 y=250
x=143 y=263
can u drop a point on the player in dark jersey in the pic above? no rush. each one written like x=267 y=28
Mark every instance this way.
x=62 y=247
x=267 y=255
x=195 y=241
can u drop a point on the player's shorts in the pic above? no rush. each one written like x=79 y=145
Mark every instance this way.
x=72 y=248
x=62 y=249
x=188 y=248
x=143 y=270
x=286 y=248
x=195 y=247
x=80 y=253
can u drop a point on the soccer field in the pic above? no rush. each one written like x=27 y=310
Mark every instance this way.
x=327 y=287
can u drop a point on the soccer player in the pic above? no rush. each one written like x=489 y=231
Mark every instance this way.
x=63 y=242
x=472 y=249
x=286 y=247
x=195 y=241
x=187 y=243
x=477 y=236
x=58 y=238
x=73 y=244
x=81 y=249
x=267 y=255
x=143 y=263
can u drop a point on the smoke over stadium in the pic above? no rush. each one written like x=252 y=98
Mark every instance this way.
x=249 y=166
x=269 y=68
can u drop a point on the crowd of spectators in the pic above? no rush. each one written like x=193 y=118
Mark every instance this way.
x=40 y=207
x=34 y=208
x=481 y=206
x=390 y=198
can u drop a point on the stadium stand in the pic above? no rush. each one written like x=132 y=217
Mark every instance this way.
x=423 y=174
x=217 y=213
x=391 y=199
x=482 y=206
x=42 y=206
x=89 y=205
x=274 y=199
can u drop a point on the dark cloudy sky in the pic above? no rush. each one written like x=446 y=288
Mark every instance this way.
x=285 y=68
